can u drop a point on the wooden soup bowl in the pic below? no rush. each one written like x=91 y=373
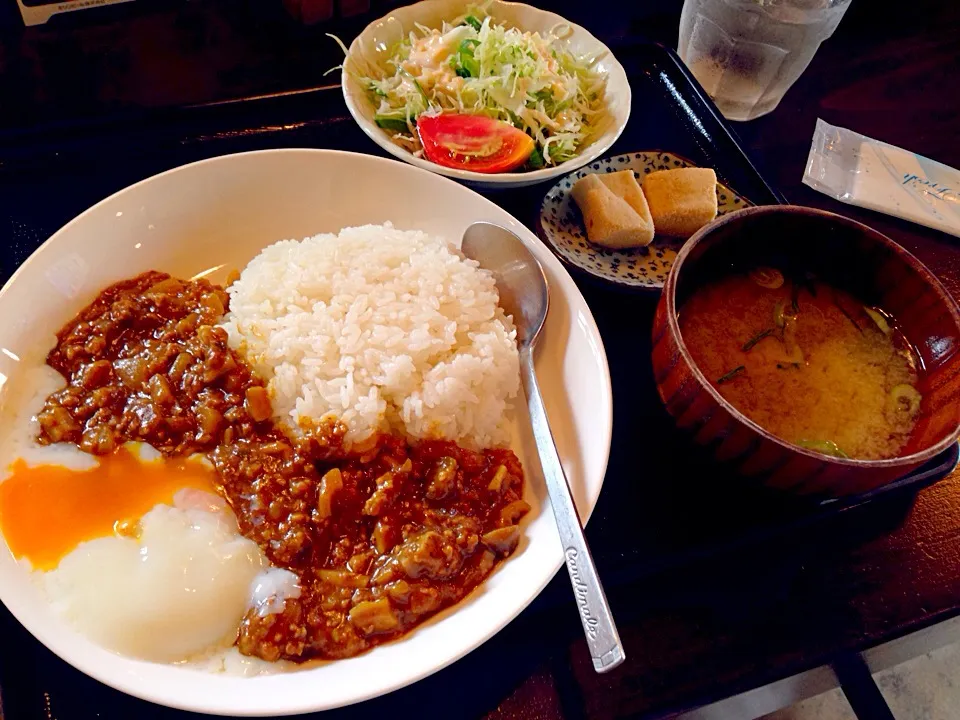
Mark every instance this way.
x=847 y=255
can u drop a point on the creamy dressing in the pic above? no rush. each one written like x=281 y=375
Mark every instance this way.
x=482 y=67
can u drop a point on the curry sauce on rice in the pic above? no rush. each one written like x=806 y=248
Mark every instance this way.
x=348 y=396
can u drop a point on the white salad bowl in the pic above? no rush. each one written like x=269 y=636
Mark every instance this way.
x=211 y=217
x=372 y=47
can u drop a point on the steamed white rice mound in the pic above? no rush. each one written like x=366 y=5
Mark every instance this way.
x=382 y=328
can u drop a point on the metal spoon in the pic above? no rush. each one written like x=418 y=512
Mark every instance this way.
x=524 y=295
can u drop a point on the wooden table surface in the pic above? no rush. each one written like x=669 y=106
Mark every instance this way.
x=694 y=634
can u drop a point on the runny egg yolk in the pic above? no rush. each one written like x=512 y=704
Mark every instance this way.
x=47 y=510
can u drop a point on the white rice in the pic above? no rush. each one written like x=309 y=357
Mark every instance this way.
x=384 y=329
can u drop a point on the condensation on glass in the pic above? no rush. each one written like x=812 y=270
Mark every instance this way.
x=747 y=53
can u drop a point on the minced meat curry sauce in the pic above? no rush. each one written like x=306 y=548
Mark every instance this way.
x=380 y=540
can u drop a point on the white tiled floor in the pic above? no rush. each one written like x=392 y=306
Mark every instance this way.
x=925 y=688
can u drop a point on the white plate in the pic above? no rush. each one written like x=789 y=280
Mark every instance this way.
x=216 y=215
x=373 y=46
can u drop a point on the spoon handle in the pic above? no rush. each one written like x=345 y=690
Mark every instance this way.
x=602 y=637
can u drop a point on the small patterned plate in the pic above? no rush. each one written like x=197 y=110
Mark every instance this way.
x=561 y=225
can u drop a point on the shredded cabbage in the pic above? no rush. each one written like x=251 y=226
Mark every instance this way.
x=475 y=66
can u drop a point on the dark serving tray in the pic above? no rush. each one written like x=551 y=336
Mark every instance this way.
x=662 y=504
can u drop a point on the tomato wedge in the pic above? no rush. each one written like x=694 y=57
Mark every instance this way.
x=473 y=142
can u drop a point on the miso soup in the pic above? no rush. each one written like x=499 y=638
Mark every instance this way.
x=806 y=361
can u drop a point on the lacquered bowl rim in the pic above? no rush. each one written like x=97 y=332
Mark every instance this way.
x=673 y=327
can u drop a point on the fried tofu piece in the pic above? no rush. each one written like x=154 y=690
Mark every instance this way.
x=681 y=200
x=624 y=185
x=610 y=220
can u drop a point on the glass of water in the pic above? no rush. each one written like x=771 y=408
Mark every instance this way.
x=747 y=53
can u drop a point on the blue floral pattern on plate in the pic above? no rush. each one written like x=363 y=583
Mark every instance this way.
x=561 y=225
